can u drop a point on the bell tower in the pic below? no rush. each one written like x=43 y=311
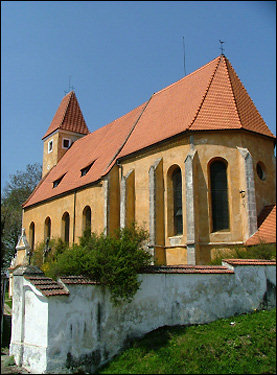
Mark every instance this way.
x=67 y=126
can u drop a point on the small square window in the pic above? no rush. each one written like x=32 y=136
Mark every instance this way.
x=50 y=146
x=66 y=143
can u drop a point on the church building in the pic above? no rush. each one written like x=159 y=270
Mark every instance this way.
x=194 y=164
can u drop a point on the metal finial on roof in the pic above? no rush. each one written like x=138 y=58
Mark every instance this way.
x=221 y=46
x=70 y=88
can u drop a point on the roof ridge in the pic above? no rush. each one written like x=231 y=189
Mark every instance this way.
x=233 y=94
x=206 y=93
x=243 y=124
x=70 y=93
x=195 y=71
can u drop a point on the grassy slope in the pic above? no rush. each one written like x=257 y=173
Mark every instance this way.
x=244 y=344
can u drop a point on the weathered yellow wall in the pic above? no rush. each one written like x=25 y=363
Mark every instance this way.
x=55 y=209
x=170 y=249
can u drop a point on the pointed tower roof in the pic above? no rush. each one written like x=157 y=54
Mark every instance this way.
x=211 y=98
x=68 y=117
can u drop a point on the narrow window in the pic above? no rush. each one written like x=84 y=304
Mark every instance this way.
x=219 y=196
x=260 y=169
x=65 y=227
x=177 y=201
x=47 y=228
x=87 y=218
x=32 y=235
x=50 y=146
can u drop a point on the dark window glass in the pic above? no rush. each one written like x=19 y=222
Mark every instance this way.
x=87 y=218
x=57 y=182
x=48 y=227
x=177 y=201
x=66 y=227
x=66 y=143
x=85 y=170
x=32 y=236
x=260 y=171
x=219 y=192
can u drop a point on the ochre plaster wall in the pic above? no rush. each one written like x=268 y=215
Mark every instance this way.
x=171 y=249
x=92 y=197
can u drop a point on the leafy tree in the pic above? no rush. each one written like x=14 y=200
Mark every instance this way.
x=15 y=193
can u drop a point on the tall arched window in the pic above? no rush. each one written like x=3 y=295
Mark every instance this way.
x=87 y=218
x=177 y=201
x=47 y=228
x=32 y=235
x=219 y=195
x=65 y=227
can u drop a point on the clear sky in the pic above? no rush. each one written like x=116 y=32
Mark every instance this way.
x=118 y=54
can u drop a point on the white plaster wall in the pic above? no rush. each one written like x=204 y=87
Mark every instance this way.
x=29 y=326
x=85 y=329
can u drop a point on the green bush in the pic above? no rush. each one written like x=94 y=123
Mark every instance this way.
x=261 y=251
x=113 y=261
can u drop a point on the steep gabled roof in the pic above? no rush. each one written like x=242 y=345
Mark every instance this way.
x=68 y=117
x=211 y=98
x=266 y=232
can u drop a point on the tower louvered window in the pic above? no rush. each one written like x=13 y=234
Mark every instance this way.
x=219 y=196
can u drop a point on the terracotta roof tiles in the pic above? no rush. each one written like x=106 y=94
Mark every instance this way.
x=47 y=286
x=211 y=98
x=266 y=232
x=68 y=117
x=187 y=269
x=250 y=262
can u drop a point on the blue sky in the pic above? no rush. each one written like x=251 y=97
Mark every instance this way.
x=118 y=54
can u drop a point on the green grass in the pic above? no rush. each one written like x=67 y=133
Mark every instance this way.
x=244 y=344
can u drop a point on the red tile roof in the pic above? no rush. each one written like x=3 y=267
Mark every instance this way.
x=211 y=98
x=266 y=232
x=250 y=262
x=47 y=286
x=72 y=280
x=68 y=117
x=187 y=269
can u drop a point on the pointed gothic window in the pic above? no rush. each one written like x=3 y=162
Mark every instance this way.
x=65 y=227
x=219 y=195
x=87 y=218
x=47 y=228
x=177 y=201
x=32 y=235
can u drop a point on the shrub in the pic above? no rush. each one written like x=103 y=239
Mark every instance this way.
x=113 y=261
x=261 y=251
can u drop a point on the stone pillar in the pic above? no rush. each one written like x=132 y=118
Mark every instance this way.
x=249 y=187
x=156 y=211
x=190 y=207
x=127 y=199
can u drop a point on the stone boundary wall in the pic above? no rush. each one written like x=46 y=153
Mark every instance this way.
x=59 y=327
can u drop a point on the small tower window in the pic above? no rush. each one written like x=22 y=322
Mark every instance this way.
x=50 y=146
x=66 y=143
